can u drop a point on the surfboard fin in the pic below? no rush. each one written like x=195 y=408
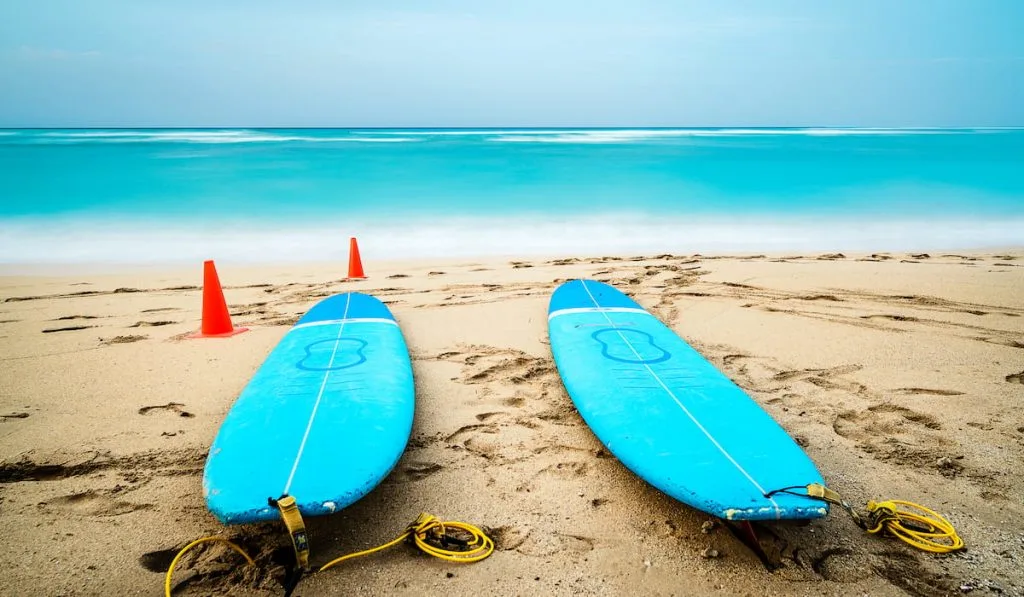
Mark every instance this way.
x=746 y=533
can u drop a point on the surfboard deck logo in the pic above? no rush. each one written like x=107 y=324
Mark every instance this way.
x=324 y=419
x=668 y=414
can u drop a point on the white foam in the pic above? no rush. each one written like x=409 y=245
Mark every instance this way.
x=89 y=241
x=519 y=135
x=634 y=135
x=470 y=132
x=493 y=135
x=200 y=136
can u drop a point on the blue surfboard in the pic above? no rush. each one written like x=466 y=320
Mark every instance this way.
x=668 y=414
x=324 y=419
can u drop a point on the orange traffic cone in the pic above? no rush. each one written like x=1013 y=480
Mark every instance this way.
x=216 y=319
x=355 y=264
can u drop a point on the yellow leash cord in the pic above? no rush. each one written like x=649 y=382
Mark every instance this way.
x=181 y=554
x=428 y=533
x=925 y=529
x=915 y=525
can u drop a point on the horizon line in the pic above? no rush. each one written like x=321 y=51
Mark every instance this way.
x=505 y=128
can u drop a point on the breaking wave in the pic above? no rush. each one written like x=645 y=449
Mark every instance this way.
x=200 y=136
x=70 y=241
x=507 y=135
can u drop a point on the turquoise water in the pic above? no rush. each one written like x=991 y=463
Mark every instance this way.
x=87 y=195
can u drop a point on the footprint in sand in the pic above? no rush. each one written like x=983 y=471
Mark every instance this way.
x=160 y=560
x=1002 y=342
x=517 y=370
x=542 y=545
x=729 y=359
x=250 y=309
x=494 y=417
x=516 y=401
x=565 y=470
x=1016 y=378
x=70 y=328
x=174 y=407
x=825 y=378
x=415 y=471
x=122 y=339
x=820 y=297
x=901 y=436
x=143 y=324
x=508 y=538
x=470 y=430
x=910 y=575
x=833 y=565
x=283 y=320
x=927 y=391
x=132 y=468
x=479 y=440
x=890 y=317
x=93 y=503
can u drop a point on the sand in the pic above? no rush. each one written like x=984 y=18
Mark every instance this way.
x=900 y=374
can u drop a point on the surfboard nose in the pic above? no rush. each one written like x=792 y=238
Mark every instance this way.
x=349 y=304
x=576 y=294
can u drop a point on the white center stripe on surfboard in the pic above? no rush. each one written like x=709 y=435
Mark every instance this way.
x=598 y=309
x=344 y=321
x=319 y=397
x=711 y=438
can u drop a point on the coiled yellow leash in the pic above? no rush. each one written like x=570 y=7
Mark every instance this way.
x=431 y=536
x=925 y=529
x=427 y=532
x=914 y=524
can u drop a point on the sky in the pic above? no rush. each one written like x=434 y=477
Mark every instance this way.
x=438 y=63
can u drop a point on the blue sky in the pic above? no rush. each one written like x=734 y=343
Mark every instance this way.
x=521 y=63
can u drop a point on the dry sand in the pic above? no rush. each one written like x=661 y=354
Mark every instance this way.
x=900 y=374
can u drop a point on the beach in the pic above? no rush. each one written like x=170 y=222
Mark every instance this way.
x=899 y=373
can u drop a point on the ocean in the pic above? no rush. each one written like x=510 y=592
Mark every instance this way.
x=151 y=196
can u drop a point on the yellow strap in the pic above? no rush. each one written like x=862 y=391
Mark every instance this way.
x=296 y=529
x=820 y=491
